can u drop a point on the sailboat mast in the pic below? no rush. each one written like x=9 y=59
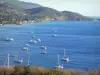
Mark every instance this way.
x=58 y=60
x=64 y=53
x=8 y=61
x=28 y=60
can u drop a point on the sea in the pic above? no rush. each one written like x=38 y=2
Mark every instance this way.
x=81 y=39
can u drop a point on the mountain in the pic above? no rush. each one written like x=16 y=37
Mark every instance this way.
x=54 y=14
x=12 y=11
x=21 y=4
x=75 y=16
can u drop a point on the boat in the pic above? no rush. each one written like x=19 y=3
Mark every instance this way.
x=33 y=41
x=17 y=60
x=44 y=52
x=59 y=66
x=30 y=41
x=28 y=60
x=9 y=39
x=25 y=48
x=27 y=45
x=65 y=58
x=38 y=40
x=8 y=63
x=33 y=36
x=43 y=47
x=54 y=35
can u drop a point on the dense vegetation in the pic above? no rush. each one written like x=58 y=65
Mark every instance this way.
x=27 y=70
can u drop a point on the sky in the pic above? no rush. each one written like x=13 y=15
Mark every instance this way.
x=84 y=7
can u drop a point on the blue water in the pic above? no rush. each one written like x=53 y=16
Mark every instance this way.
x=80 y=38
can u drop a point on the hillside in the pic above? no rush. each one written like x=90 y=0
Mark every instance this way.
x=12 y=11
x=54 y=14
x=21 y=4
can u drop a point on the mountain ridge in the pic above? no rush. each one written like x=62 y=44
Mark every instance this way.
x=13 y=11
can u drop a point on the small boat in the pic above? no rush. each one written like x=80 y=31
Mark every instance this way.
x=27 y=45
x=9 y=39
x=33 y=41
x=65 y=58
x=43 y=52
x=43 y=47
x=17 y=60
x=33 y=36
x=58 y=64
x=25 y=48
x=8 y=62
x=38 y=40
x=54 y=35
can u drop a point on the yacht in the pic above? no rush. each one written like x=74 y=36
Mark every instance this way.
x=43 y=47
x=17 y=60
x=33 y=41
x=54 y=35
x=27 y=45
x=38 y=40
x=9 y=39
x=25 y=48
x=44 y=52
x=59 y=66
x=65 y=58
x=33 y=36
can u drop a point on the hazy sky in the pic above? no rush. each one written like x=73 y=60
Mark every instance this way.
x=84 y=7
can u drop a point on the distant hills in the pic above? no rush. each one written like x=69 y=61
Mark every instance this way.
x=12 y=11
x=54 y=14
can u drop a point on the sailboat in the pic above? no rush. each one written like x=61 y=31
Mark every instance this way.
x=9 y=39
x=54 y=35
x=17 y=60
x=59 y=66
x=44 y=52
x=65 y=58
x=28 y=60
x=7 y=61
x=39 y=40
x=43 y=47
x=27 y=45
x=25 y=48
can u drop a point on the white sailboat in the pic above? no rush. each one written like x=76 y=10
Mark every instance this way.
x=65 y=58
x=54 y=35
x=9 y=39
x=27 y=45
x=39 y=40
x=44 y=52
x=28 y=60
x=17 y=60
x=7 y=61
x=43 y=47
x=59 y=66
x=25 y=48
